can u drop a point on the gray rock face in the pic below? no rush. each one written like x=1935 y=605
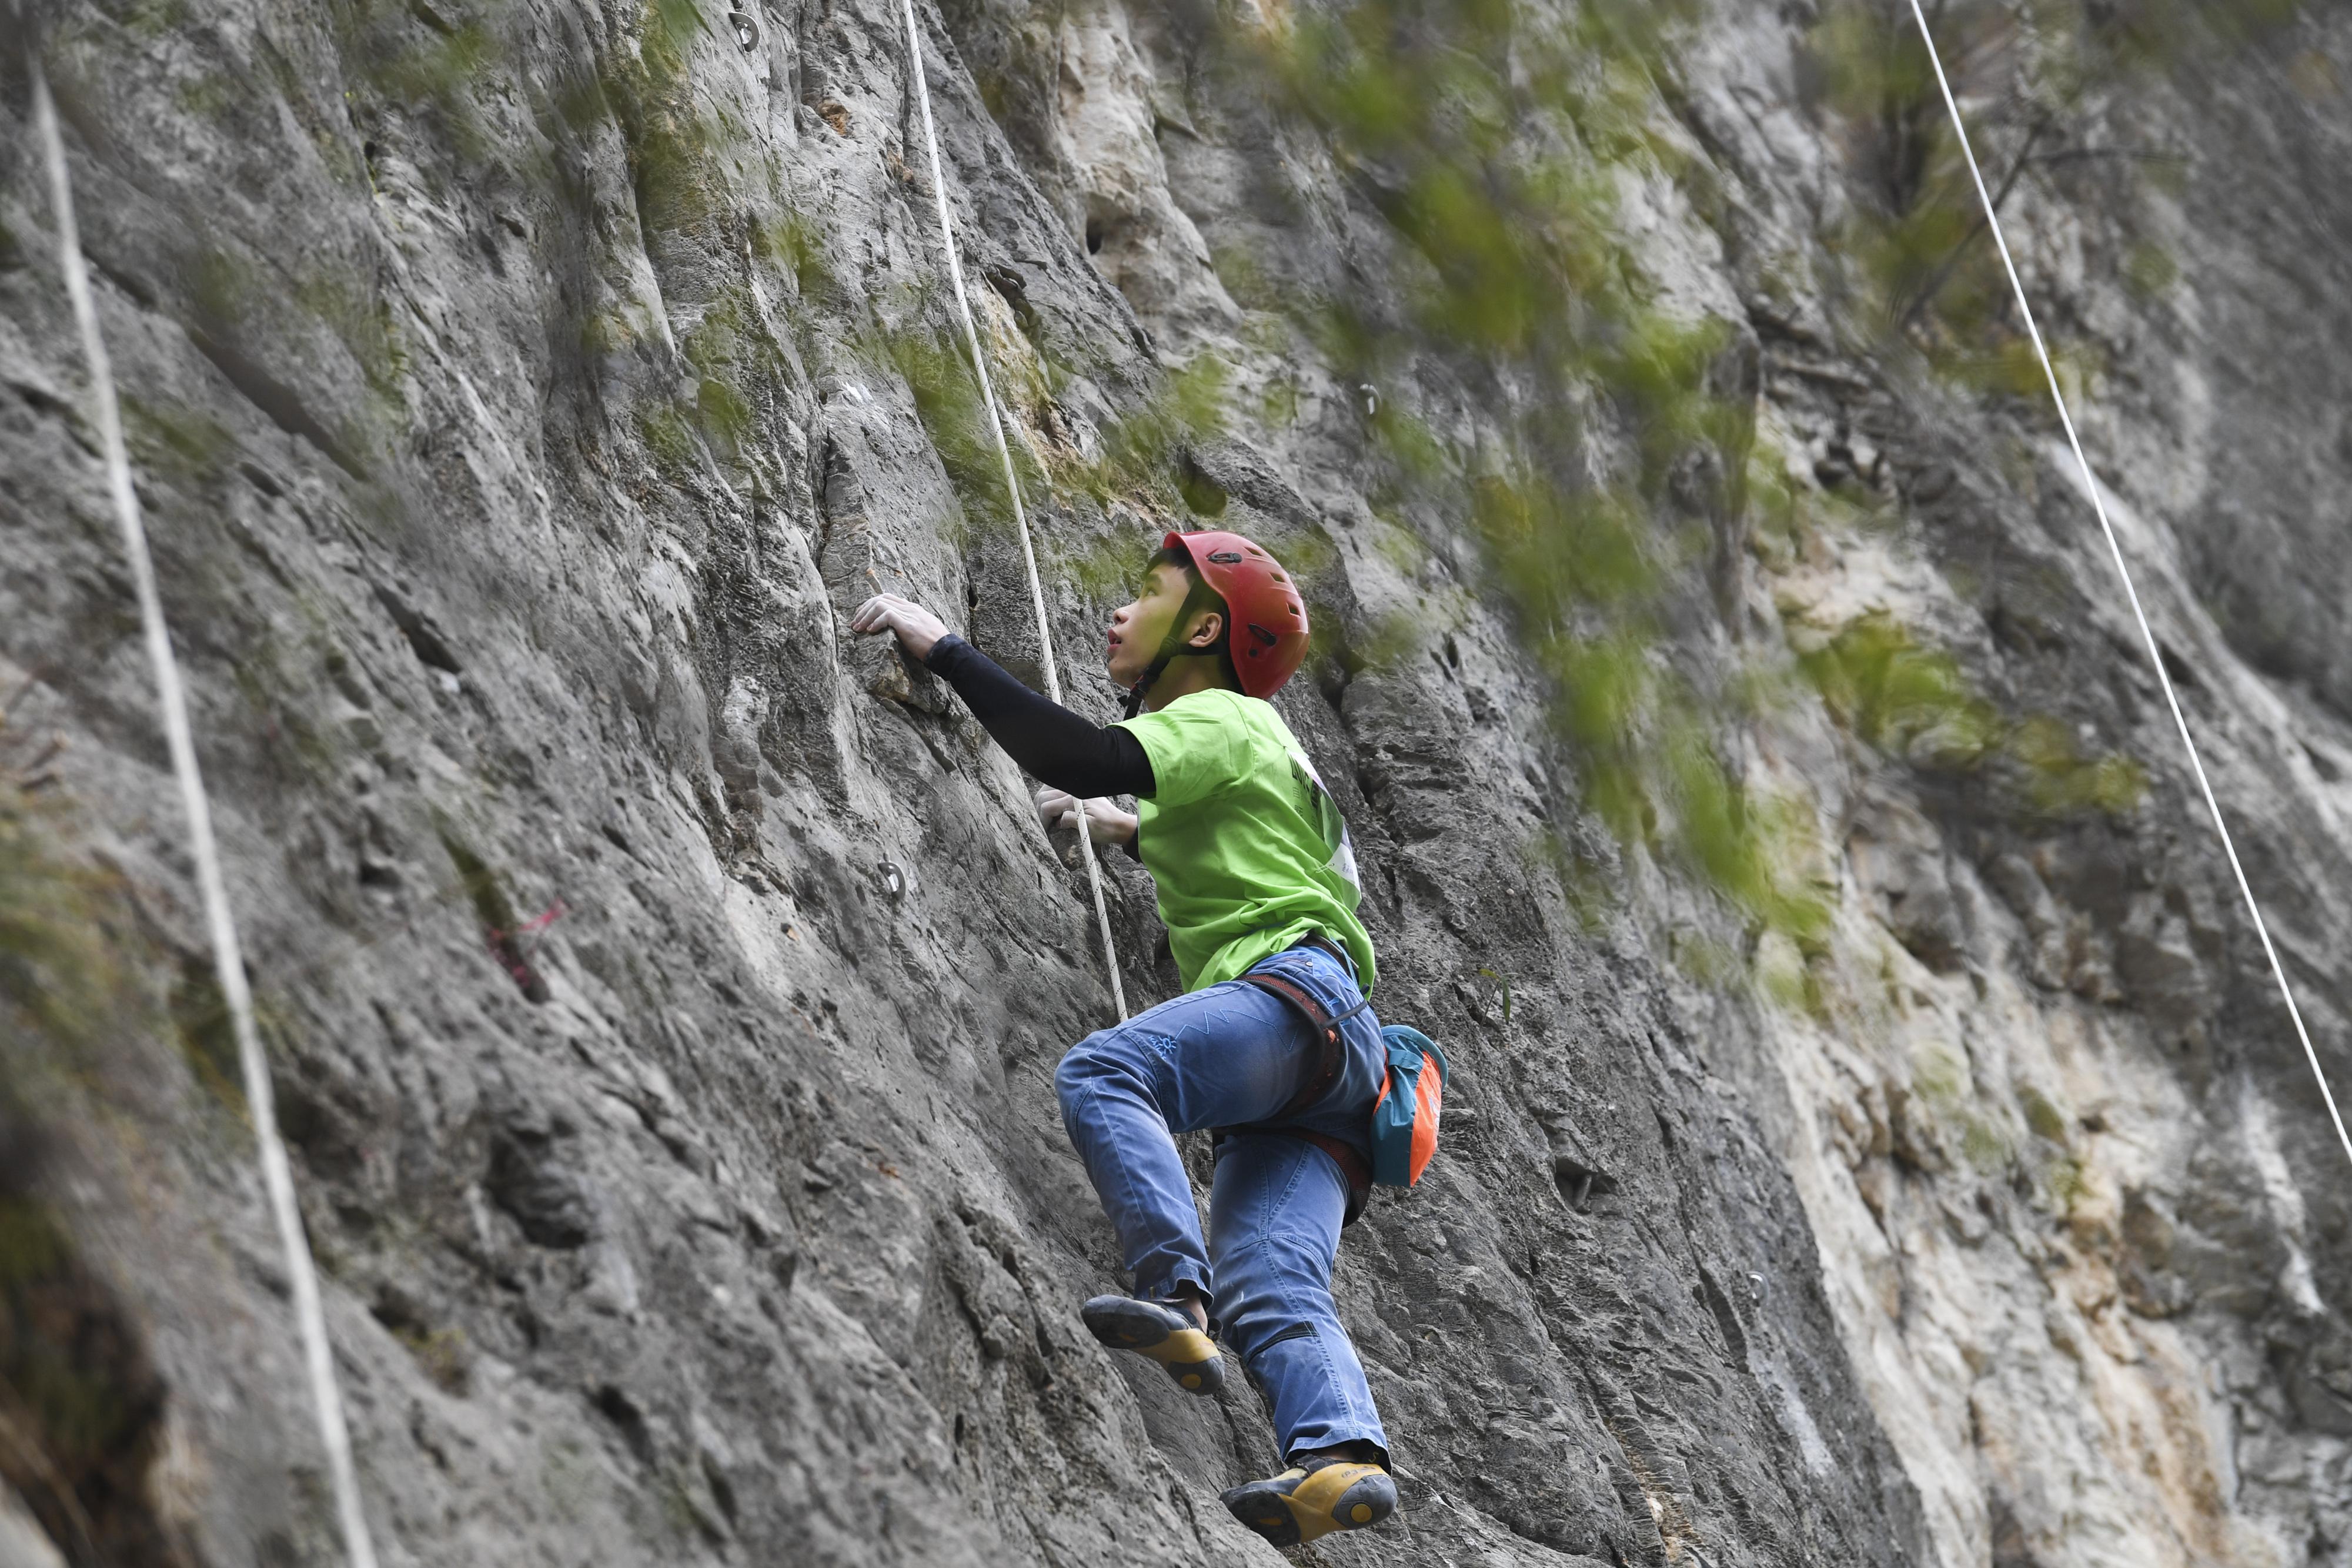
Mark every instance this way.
x=665 y=987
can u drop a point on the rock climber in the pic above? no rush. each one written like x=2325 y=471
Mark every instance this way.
x=1271 y=1044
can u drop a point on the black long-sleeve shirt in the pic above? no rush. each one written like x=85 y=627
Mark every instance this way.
x=1058 y=746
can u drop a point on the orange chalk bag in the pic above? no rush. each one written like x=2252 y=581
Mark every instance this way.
x=1404 y=1118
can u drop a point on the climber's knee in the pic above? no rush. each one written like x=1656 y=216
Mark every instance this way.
x=1081 y=1065
x=1113 y=1068
x=1089 y=1065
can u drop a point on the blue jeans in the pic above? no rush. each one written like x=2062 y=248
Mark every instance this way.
x=1228 y=1056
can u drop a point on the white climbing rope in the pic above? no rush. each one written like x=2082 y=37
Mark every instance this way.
x=1012 y=484
x=228 y=961
x=2115 y=548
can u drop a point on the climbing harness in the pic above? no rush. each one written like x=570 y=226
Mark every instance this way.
x=2116 y=549
x=1402 y=1130
x=1331 y=1050
x=228 y=961
x=1012 y=485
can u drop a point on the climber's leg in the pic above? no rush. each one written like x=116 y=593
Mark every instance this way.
x=1275 y=1215
x=1218 y=1057
x=1273 y=1229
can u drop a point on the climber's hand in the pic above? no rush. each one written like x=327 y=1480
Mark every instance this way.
x=917 y=627
x=1106 y=823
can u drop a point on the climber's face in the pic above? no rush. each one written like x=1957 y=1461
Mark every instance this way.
x=1138 y=630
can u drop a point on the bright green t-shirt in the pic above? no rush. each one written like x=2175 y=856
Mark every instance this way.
x=1247 y=847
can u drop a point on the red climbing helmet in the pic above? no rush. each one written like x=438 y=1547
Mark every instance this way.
x=1265 y=620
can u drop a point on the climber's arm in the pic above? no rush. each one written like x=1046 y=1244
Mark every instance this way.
x=1059 y=747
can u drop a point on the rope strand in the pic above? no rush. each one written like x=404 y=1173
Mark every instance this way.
x=228 y=961
x=2115 y=548
x=1012 y=485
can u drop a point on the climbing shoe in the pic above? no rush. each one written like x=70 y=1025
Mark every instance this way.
x=1314 y=1499
x=1164 y=1334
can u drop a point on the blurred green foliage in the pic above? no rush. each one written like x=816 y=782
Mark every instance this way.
x=948 y=401
x=2061 y=780
x=1609 y=449
x=71 y=997
x=184 y=444
x=2150 y=269
x=1915 y=702
x=1610 y=452
x=155 y=18
x=731 y=352
x=55 y=970
x=793 y=242
x=2041 y=1115
x=673 y=163
x=1135 y=459
x=1900 y=696
x=239 y=299
x=426 y=56
x=1138 y=454
x=361 y=319
x=668 y=431
x=2032 y=73
x=75 y=1394
x=1608 y=455
x=2070 y=1184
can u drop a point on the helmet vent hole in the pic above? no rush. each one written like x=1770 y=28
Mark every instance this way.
x=1224 y=558
x=1263 y=635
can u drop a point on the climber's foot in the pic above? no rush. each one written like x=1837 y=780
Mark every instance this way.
x=1165 y=1334
x=1315 y=1497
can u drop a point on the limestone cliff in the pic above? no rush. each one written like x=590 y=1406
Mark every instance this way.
x=1875 y=1137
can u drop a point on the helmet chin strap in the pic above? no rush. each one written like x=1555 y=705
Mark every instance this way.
x=1171 y=646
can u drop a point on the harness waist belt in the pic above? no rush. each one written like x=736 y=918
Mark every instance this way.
x=1326 y=1028
x=1330 y=1054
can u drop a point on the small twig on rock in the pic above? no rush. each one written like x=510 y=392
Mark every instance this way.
x=1943 y=272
